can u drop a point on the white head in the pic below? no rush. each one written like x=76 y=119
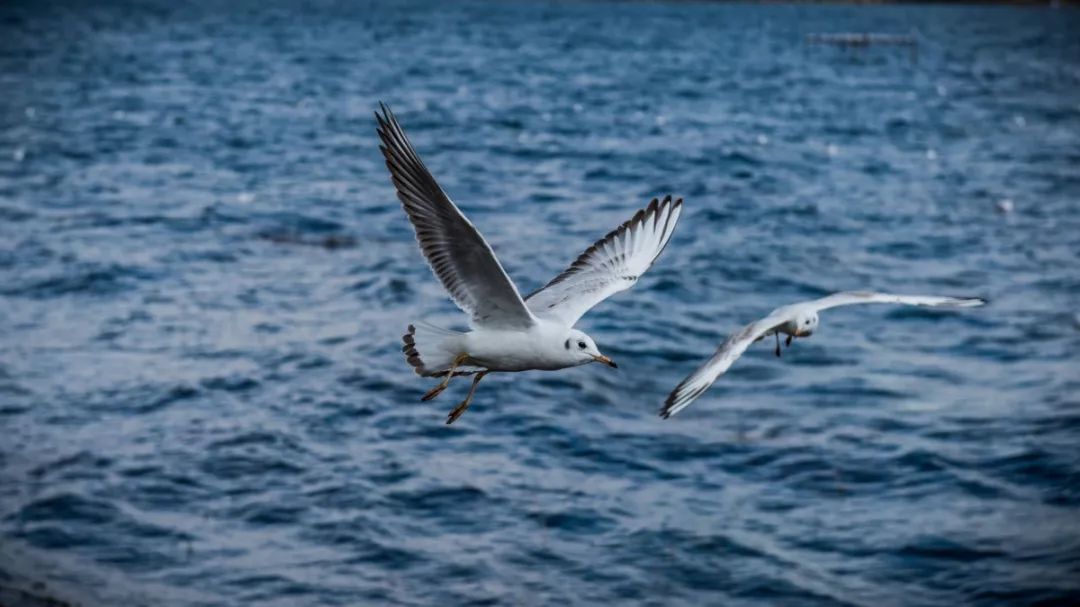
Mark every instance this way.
x=581 y=349
x=804 y=324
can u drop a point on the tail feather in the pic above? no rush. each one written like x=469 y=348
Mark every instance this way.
x=411 y=355
x=431 y=350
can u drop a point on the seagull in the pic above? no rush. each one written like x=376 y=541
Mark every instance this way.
x=796 y=320
x=509 y=333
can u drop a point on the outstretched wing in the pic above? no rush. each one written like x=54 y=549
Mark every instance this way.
x=457 y=253
x=733 y=347
x=848 y=298
x=700 y=380
x=614 y=263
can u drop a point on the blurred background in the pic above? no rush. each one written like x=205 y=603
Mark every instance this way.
x=205 y=275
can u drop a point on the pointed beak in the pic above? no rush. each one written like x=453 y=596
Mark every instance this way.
x=607 y=361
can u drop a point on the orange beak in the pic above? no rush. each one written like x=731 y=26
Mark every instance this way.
x=607 y=361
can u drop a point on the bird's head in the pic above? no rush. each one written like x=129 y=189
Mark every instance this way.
x=804 y=324
x=582 y=349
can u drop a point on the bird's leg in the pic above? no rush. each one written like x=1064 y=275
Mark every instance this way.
x=437 y=390
x=786 y=343
x=458 y=410
x=777 y=334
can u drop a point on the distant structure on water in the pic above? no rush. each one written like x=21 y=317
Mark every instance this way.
x=863 y=39
x=853 y=40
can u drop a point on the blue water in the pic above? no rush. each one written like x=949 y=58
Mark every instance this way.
x=204 y=277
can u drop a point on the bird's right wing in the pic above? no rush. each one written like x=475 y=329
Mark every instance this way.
x=458 y=254
x=848 y=298
x=728 y=352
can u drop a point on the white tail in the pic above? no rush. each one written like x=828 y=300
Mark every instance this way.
x=431 y=350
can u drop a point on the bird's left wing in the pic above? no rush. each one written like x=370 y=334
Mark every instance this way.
x=613 y=264
x=733 y=347
x=848 y=298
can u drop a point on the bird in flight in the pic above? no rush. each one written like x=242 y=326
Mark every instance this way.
x=796 y=320
x=509 y=333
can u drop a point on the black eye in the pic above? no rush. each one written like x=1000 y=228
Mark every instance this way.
x=581 y=345
x=568 y=344
x=807 y=321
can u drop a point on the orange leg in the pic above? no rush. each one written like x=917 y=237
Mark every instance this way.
x=458 y=410
x=437 y=390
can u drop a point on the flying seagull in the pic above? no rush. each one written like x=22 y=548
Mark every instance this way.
x=509 y=333
x=796 y=320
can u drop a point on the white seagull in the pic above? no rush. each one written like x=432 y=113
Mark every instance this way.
x=795 y=320
x=509 y=333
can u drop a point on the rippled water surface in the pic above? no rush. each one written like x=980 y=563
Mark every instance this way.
x=204 y=277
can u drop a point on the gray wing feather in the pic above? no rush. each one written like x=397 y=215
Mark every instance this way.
x=457 y=253
x=733 y=347
x=848 y=298
x=612 y=264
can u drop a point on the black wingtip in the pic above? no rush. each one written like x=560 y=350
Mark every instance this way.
x=665 y=409
x=386 y=118
x=667 y=200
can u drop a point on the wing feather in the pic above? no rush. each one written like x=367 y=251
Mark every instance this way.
x=848 y=298
x=733 y=347
x=612 y=264
x=457 y=253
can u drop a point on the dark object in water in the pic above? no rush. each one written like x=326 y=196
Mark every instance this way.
x=864 y=39
x=849 y=40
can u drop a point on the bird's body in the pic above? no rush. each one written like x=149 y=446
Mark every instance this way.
x=509 y=333
x=527 y=350
x=540 y=347
x=788 y=327
x=795 y=320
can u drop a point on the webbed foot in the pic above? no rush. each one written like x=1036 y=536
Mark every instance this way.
x=432 y=393
x=457 y=412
